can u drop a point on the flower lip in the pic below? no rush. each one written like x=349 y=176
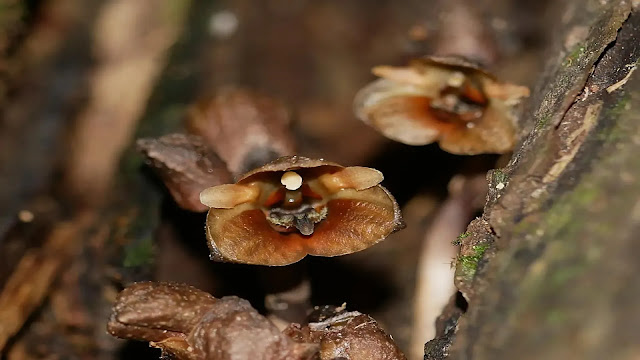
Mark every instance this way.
x=326 y=210
x=302 y=218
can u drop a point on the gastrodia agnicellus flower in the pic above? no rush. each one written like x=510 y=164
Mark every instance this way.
x=296 y=206
x=445 y=99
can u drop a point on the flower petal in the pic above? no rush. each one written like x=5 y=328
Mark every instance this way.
x=493 y=134
x=243 y=235
x=353 y=177
x=227 y=196
x=406 y=119
x=355 y=221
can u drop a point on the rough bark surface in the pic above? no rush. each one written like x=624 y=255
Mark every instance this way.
x=553 y=275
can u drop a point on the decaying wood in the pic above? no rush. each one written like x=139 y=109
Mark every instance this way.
x=550 y=271
x=190 y=324
x=77 y=236
x=32 y=277
x=42 y=73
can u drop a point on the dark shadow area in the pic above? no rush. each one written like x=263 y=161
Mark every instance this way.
x=413 y=169
x=336 y=282
x=461 y=302
x=134 y=350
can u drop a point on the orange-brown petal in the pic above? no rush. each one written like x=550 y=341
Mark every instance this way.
x=406 y=119
x=494 y=133
x=356 y=220
x=244 y=235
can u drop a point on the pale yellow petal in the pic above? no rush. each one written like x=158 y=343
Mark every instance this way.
x=228 y=195
x=354 y=177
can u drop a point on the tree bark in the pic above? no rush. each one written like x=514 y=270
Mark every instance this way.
x=550 y=270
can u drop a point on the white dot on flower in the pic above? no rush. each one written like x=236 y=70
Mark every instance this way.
x=291 y=180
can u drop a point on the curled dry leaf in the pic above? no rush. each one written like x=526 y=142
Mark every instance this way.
x=347 y=335
x=156 y=311
x=294 y=206
x=186 y=165
x=444 y=99
x=189 y=324
x=246 y=129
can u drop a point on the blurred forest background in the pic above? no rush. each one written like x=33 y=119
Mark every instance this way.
x=81 y=215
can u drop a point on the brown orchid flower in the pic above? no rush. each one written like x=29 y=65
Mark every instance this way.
x=444 y=99
x=294 y=206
